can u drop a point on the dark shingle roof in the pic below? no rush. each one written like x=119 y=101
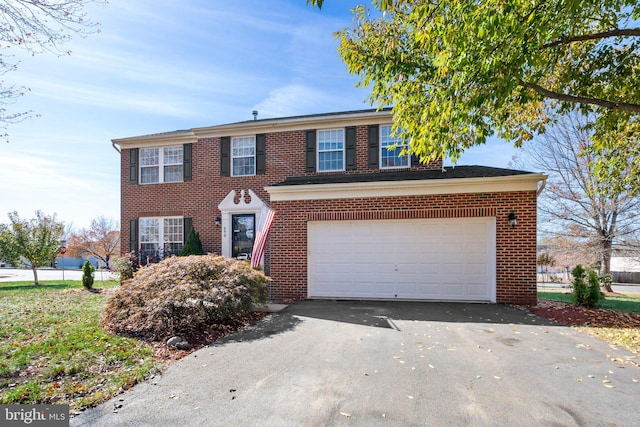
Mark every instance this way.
x=450 y=172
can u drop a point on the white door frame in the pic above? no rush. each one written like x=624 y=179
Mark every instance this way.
x=229 y=207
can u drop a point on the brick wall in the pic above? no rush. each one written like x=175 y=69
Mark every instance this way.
x=285 y=157
x=199 y=198
x=515 y=247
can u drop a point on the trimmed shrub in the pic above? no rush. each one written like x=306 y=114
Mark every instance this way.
x=579 y=284
x=193 y=244
x=586 y=287
x=182 y=295
x=87 y=275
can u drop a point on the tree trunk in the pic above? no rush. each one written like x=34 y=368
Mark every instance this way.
x=35 y=275
x=607 y=248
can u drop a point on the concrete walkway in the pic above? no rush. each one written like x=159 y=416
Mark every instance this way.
x=345 y=363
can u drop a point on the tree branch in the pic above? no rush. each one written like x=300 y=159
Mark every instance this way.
x=611 y=105
x=625 y=32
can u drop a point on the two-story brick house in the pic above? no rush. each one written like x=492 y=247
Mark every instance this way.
x=353 y=219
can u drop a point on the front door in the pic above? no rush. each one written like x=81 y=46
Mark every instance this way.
x=243 y=227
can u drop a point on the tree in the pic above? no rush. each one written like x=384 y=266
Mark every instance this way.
x=87 y=275
x=37 y=27
x=545 y=260
x=101 y=240
x=36 y=240
x=575 y=203
x=193 y=244
x=458 y=72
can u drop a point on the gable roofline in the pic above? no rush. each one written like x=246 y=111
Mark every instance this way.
x=250 y=127
x=157 y=139
x=284 y=124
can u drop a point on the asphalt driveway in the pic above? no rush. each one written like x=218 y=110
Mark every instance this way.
x=346 y=363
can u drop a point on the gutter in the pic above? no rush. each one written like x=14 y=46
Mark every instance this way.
x=113 y=144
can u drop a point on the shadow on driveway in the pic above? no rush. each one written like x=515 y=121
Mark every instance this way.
x=383 y=314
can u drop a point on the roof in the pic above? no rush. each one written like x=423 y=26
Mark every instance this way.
x=279 y=124
x=450 y=172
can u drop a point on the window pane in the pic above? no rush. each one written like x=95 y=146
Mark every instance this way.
x=149 y=230
x=173 y=173
x=390 y=149
x=244 y=166
x=173 y=230
x=331 y=150
x=149 y=175
x=172 y=155
x=149 y=156
x=243 y=151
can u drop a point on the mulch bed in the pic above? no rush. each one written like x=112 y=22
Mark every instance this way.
x=202 y=338
x=573 y=315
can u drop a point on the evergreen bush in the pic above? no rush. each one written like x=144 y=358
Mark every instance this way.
x=193 y=244
x=87 y=275
x=586 y=287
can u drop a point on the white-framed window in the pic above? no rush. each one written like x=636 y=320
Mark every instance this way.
x=243 y=156
x=391 y=148
x=331 y=150
x=161 y=165
x=160 y=237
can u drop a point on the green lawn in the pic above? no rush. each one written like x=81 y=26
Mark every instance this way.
x=626 y=334
x=52 y=349
x=628 y=303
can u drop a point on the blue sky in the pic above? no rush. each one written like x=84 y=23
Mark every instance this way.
x=162 y=65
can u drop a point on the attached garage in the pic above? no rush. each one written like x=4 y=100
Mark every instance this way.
x=418 y=259
x=432 y=235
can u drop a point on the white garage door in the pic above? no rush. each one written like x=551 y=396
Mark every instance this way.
x=426 y=259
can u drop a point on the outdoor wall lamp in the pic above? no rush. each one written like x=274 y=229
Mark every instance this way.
x=218 y=221
x=513 y=219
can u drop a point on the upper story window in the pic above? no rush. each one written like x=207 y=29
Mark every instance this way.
x=390 y=149
x=161 y=165
x=243 y=155
x=331 y=150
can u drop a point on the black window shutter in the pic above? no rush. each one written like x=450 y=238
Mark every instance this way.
x=311 y=150
x=350 y=145
x=415 y=160
x=133 y=235
x=261 y=146
x=186 y=162
x=225 y=156
x=187 y=224
x=133 y=165
x=374 y=146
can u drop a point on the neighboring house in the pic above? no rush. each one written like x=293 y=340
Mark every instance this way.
x=352 y=218
x=625 y=269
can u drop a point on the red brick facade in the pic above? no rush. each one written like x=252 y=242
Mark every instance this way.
x=515 y=247
x=285 y=258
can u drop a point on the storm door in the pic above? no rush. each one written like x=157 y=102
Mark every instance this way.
x=243 y=227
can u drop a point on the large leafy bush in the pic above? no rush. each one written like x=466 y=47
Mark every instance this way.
x=182 y=295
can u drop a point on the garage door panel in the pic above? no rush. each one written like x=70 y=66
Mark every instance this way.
x=445 y=259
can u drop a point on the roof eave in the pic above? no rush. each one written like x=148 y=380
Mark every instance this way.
x=514 y=183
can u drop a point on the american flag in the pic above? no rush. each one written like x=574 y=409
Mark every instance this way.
x=262 y=232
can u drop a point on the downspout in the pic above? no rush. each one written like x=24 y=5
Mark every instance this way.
x=113 y=144
x=541 y=186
